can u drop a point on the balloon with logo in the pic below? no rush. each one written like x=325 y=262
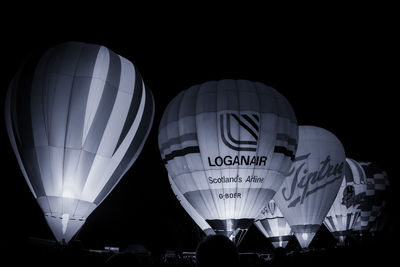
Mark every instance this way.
x=374 y=201
x=190 y=210
x=345 y=210
x=227 y=146
x=311 y=187
x=77 y=118
x=273 y=225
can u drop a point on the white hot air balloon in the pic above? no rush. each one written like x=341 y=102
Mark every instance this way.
x=273 y=225
x=191 y=211
x=308 y=192
x=77 y=118
x=227 y=146
x=345 y=210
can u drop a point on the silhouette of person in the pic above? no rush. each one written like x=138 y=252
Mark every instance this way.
x=217 y=250
x=123 y=259
x=279 y=258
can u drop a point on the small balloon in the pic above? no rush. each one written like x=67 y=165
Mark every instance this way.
x=346 y=208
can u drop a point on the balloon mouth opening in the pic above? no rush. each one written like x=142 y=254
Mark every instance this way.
x=304 y=236
x=230 y=225
x=234 y=229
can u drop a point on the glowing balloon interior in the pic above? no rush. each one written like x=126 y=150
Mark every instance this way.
x=308 y=192
x=77 y=118
x=273 y=225
x=227 y=146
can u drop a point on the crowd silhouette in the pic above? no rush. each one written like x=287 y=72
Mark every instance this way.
x=212 y=251
x=217 y=250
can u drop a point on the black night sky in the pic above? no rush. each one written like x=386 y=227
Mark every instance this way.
x=336 y=74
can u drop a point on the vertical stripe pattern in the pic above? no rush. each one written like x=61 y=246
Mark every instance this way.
x=77 y=118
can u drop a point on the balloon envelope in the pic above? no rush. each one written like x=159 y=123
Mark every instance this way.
x=77 y=118
x=273 y=225
x=308 y=192
x=227 y=145
x=374 y=201
x=345 y=210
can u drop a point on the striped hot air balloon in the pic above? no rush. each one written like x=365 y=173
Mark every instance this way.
x=308 y=192
x=77 y=118
x=345 y=210
x=204 y=226
x=227 y=146
x=273 y=225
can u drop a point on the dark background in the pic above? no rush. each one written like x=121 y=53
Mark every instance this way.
x=337 y=72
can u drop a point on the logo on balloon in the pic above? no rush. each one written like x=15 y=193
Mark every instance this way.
x=350 y=198
x=270 y=209
x=249 y=123
x=267 y=211
x=308 y=182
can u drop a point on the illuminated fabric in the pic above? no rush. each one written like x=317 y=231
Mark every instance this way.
x=273 y=225
x=77 y=118
x=227 y=146
x=308 y=192
x=345 y=210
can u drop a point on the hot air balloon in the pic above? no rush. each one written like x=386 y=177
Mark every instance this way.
x=308 y=192
x=273 y=225
x=374 y=201
x=77 y=118
x=191 y=211
x=345 y=210
x=228 y=145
